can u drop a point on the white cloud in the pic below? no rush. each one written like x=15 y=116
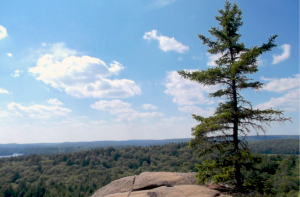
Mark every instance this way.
x=16 y=73
x=39 y=111
x=280 y=85
x=212 y=58
x=122 y=109
x=289 y=86
x=174 y=119
x=166 y=43
x=97 y=122
x=287 y=102
x=149 y=106
x=3 y=32
x=285 y=55
x=54 y=101
x=9 y=54
x=4 y=114
x=3 y=91
x=186 y=92
x=82 y=76
x=114 y=106
x=208 y=111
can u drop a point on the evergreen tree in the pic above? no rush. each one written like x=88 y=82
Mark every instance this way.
x=235 y=116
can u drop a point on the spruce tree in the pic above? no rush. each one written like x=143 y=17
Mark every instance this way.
x=235 y=116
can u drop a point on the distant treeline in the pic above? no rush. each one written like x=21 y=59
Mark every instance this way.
x=283 y=146
x=71 y=147
x=82 y=173
x=259 y=144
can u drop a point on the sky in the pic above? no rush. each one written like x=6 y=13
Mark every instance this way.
x=107 y=70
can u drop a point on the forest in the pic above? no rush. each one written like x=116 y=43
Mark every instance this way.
x=82 y=173
x=266 y=143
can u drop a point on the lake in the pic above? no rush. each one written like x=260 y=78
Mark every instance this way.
x=13 y=155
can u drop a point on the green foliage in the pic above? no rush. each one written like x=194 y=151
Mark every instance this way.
x=82 y=173
x=213 y=171
x=235 y=117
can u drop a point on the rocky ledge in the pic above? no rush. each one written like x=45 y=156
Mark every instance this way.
x=157 y=184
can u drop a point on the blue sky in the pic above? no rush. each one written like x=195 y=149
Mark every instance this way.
x=106 y=70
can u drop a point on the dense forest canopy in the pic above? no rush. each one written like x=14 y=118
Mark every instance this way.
x=82 y=173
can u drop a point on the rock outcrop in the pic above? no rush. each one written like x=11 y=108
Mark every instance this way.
x=157 y=184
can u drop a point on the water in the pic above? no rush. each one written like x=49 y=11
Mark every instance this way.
x=13 y=155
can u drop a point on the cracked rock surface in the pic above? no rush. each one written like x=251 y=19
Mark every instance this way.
x=157 y=184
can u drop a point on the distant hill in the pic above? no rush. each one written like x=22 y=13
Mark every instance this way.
x=278 y=146
x=69 y=147
x=271 y=137
x=99 y=143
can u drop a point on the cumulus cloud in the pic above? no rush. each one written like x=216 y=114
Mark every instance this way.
x=149 y=106
x=3 y=32
x=289 y=101
x=9 y=55
x=54 y=101
x=38 y=111
x=123 y=110
x=285 y=55
x=186 y=92
x=212 y=58
x=166 y=43
x=3 y=91
x=280 y=85
x=16 y=73
x=83 y=76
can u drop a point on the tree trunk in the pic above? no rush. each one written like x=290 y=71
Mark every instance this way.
x=235 y=131
x=236 y=139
